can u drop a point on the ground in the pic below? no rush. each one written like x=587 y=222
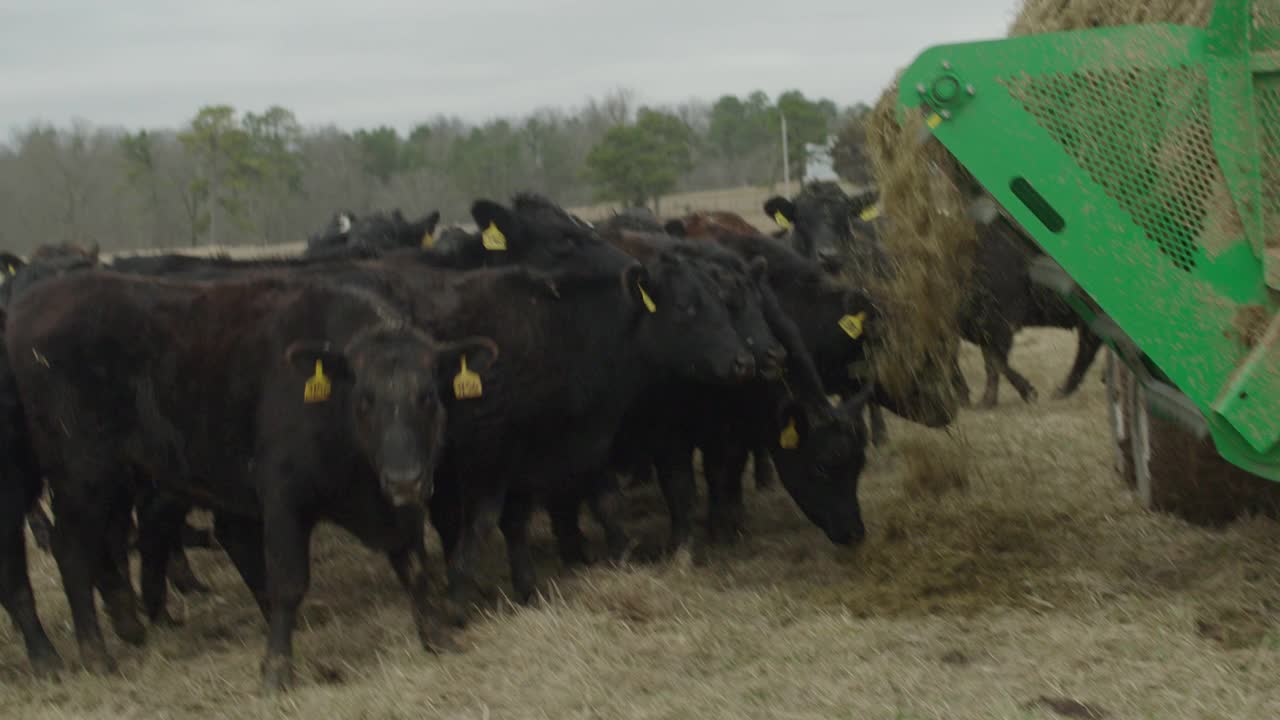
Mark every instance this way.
x=1007 y=574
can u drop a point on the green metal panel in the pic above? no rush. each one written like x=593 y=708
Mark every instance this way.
x=1146 y=161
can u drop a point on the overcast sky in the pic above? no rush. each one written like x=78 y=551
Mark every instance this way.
x=152 y=63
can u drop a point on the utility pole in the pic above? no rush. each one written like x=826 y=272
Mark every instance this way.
x=786 y=163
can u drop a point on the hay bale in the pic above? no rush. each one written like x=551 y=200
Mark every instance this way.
x=1042 y=16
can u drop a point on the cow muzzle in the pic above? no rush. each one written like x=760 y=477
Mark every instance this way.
x=407 y=485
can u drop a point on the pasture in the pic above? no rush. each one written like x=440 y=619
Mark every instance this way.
x=1007 y=573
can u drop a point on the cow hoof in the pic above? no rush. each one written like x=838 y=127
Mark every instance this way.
x=277 y=675
x=163 y=618
x=47 y=666
x=1031 y=396
x=438 y=641
x=455 y=613
x=98 y=662
x=130 y=629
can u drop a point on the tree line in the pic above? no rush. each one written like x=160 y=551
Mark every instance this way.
x=229 y=177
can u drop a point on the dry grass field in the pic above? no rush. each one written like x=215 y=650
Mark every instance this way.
x=1007 y=574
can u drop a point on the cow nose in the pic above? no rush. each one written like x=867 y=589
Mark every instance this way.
x=744 y=366
x=777 y=355
x=404 y=485
x=829 y=258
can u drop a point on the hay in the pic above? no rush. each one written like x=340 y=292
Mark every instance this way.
x=1041 y=16
x=931 y=245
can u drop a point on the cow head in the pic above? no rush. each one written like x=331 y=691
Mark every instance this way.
x=741 y=286
x=820 y=452
x=395 y=378
x=817 y=222
x=537 y=233
x=685 y=324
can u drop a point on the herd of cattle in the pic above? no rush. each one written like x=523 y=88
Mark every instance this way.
x=397 y=373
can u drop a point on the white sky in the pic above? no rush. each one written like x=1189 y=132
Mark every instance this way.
x=152 y=63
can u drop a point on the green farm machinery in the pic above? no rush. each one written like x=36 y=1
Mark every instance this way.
x=1144 y=161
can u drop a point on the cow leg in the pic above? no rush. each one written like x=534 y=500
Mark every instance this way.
x=677 y=481
x=183 y=577
x=410 y=565
x=478 y=515
x=159 y=541
x=959 y=382
x=604 y=499
x=242 y=540
x=570 y=542
x=287 y=538
x=1087 y=346
x=998 y=363
x=514 y=523
x=879 y=430
x=77 y=547
x=41 y=527
x=112 y=578
x=766 y=474
x=723 y=469
x=990 y=363
x=15 y=583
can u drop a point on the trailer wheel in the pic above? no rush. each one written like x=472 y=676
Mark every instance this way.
x=1120 y=391
x=1185 y=477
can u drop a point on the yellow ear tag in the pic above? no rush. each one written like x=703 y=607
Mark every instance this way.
x=782 y=220
x=428 y=240
x=466 y=384
x=870 y=213
x=317 y=387
x=493 y=238
x=11 y=270
x=852 y=325
x=789 y=439
x=648 y=301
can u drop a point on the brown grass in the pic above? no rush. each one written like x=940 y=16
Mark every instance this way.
x=1037 y=583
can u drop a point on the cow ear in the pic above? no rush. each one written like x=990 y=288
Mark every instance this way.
x=304 y=355
x=432 y=220
x=479 y=351
x=11 y=263
x=635 y=281
x=793 y=425
x=758 y=268
x=674 y=228
x=489 y=214
x=461 y=364
x=781 y=211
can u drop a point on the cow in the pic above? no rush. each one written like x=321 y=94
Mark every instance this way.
x=814 y=226
x=55 y=260
x=823 y=460
x=376 y=231
x=275 y=401
x=1001 y=300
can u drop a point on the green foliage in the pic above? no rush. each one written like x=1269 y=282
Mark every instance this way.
x=636 y=163
x=852 y=163
x=808 y=121
x=257 y=176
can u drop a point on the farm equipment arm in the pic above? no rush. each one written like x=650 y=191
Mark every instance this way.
x=1145 y=161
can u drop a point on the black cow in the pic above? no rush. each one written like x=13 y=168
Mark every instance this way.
x=276 y=402
x=376 y=231
x=665 y=425
x=823 y=223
